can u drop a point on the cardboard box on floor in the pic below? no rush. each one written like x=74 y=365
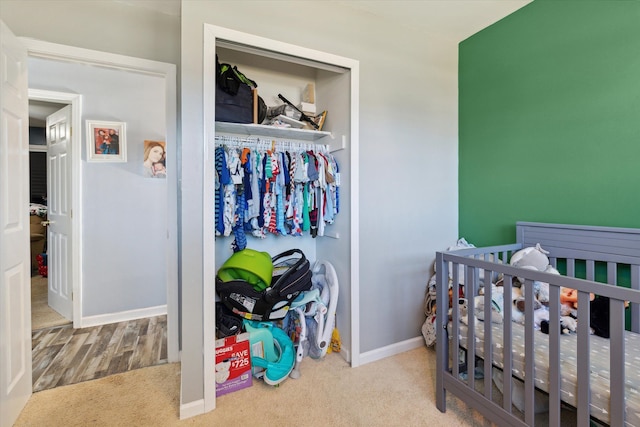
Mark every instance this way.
x=233 y=364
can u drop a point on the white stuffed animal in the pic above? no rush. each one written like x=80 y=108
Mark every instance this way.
x=463 y=244
x=535 y=257
x=497 y=304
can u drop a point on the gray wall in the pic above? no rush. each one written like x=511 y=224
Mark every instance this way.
x=124 y=223
x=108 y=26
x=408 y=174
x=124 y=213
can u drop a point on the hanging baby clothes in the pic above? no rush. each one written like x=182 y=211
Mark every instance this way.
x=280 y=191
x=278 y=188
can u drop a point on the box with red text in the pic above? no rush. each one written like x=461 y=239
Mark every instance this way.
x=233 y=364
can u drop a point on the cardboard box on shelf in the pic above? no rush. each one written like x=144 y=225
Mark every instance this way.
x=233 y=364
x=309 y=94
x=307 y=108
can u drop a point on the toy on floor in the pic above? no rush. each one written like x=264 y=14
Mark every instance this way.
x=296 y=324
x=336 y=342
x=42 y=265
x=300 y=341
x=311 y=321
x=277 y=363
x=324 y=278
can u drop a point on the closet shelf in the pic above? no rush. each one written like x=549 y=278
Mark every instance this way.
x=272 y=131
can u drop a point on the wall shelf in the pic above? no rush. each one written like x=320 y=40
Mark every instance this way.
x=270 y=131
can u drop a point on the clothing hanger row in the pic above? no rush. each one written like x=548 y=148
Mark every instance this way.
x=268 y=144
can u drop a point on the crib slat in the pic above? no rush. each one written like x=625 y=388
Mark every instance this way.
x=612 y=273
x=616 y=363
x=530 y=365
x=488 y=334
x=507 y=356
x=442 y=346
x=584 y=360
x=571 y=267
x=455 y=320
x=591 y=269
x=554 y=357
x=635 y=308
x=471 y=329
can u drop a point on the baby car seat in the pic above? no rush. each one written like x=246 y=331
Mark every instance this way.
x=245 y=296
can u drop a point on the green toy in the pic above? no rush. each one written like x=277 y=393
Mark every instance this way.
x=252 y=266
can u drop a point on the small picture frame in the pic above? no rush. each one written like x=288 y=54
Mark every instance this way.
x=106 y=141
x=155 y=159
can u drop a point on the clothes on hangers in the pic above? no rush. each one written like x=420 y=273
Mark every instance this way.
x=281 y=188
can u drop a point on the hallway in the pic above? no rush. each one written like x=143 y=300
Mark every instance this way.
x=63 y=355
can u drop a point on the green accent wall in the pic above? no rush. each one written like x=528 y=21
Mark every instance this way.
x=549 y=119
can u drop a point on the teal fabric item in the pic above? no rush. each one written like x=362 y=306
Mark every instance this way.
x=278 y=371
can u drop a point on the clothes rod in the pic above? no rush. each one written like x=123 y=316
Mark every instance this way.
x=262 y=143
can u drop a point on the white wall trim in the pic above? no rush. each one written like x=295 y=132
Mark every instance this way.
x=391 y=350
x=123 y=316
x=43 y=49
x=191 y=409
x=208 y=248
x=355 y=214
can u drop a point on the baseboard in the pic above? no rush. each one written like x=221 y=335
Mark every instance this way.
x=123 y=316
x=191 y=409
x=346 y=354
x=391 y=350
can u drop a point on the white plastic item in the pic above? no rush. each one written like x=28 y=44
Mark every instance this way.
x=325 y=317
x=295 y=373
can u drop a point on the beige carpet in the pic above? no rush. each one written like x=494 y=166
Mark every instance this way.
x=43 y=316
x=396 y=391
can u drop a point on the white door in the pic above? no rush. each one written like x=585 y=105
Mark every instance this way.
x=59 y=212
x=15 y=281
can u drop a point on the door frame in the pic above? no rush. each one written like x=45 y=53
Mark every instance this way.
x=75 y=100
x=47 y=50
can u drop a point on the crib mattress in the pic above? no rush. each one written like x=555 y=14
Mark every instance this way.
x=568 y=344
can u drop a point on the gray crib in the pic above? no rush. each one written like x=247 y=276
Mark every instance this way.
x=598 y=377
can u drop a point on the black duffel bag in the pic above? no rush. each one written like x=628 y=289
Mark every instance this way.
x=235 y=97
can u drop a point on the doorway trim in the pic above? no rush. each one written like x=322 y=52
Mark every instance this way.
x=42 y=49
x=75 y=100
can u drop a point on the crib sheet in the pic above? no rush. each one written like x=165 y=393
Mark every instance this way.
x=568 y=344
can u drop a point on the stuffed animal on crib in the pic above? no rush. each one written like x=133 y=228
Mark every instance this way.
x=598 y=311
x=532 y=258
x=535 y=258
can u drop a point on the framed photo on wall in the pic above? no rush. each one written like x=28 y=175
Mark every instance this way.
x=155 y=159
x=106 y=141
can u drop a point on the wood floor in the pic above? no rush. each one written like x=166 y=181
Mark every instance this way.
x=63 y=355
